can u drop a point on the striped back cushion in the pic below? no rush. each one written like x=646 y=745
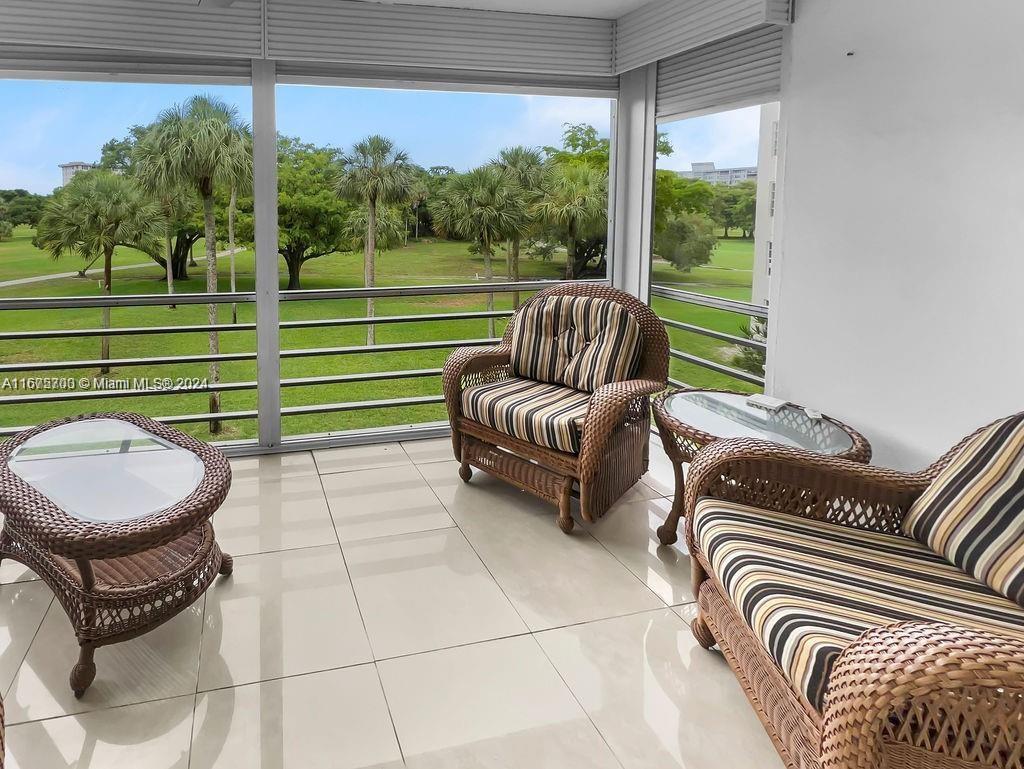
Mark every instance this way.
x=579 y=342
x=973 y=512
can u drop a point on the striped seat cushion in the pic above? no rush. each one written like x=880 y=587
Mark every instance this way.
x=579 y=342
x=537 y=412
x=973 y=512
x=808 y=589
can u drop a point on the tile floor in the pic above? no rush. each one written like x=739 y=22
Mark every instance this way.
x=384 y=614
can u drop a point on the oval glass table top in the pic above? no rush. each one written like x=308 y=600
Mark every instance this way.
x=106 y=470
x=728 y=415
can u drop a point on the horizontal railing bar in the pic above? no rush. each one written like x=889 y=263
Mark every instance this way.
x=715 y=302
x=200 y=328
x=382 y=292
x=84 y=395
x=11 y=368
x=288 y=411
x=123 y=300
x=752 y=343
x=678 y=383
x=325 y=408
x=735 y=373
x=299 y=295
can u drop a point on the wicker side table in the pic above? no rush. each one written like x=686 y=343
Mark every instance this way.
x=112 y=512
x=689 y=419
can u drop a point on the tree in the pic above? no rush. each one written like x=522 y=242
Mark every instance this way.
x=745 y=206
x=117 y=155
x=486 y=207
x=388 y=231
x=23 y=207
x=375 y=173
x=203 y=144
x=311 y=220
x=419 y=194
x=575 y=201
x=687 y=240
x=723 y=207
x=94 y=214
x=6 y=230
x=523 y=167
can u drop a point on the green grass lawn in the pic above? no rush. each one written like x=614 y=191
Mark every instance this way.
x=425 y=262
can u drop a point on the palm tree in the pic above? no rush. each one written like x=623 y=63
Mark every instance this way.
x=524 y=167
x=375 y=173
x=486 y=207
x=419 y=192
x=576 y=201
x=243 y=182
x=94 y=214
x=202 y=144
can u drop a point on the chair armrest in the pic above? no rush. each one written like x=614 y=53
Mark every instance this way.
x=790 y=480
x=937 y=687
x=612 y=406
x=476 y=362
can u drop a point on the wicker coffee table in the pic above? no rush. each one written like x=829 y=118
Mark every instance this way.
x=689 y=419
x=112 y=512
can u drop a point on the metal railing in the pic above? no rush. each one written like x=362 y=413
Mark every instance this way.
x=715 y=303
x=143 y=300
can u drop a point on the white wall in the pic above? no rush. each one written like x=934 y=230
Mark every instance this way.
x=900 y=295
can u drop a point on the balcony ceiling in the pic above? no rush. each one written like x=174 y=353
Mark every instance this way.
x=594 y=9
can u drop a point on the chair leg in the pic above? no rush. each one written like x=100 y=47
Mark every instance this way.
x=227 y=565
x=465 y=472
x=84 y=671
x=565 y=521
x=702 y=632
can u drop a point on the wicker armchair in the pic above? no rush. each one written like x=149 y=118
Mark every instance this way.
x=913 y=693
x=615 y=431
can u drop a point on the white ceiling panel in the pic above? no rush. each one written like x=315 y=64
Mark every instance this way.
x=592 y=9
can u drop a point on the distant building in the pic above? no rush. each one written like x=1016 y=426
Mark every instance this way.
x=70 y=169
x=708 y=173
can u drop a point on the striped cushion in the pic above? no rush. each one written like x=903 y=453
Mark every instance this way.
x=973 y=512
x=543 y=414
x=580 y=342
x=808 y=589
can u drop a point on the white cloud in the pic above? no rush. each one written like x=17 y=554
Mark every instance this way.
x=726 y=138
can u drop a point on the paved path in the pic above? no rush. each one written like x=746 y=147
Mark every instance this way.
x=94 y=271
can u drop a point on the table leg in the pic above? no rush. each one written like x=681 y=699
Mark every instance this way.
x=227 y=565
x=668 y=531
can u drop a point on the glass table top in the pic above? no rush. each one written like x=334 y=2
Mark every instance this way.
x=106 y=470
x=728 y=415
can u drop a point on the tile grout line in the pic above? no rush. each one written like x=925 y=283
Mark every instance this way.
x=35 y=635
x=359 y=608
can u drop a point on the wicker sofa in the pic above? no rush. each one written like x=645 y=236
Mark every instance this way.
x=562 y=404
x=831 y=589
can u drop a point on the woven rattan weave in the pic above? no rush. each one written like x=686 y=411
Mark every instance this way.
x=907 y=695
x=682 y=441
x=614 y=450
x=116 y=580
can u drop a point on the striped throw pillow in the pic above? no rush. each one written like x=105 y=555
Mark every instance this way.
x=579 y=342
x=973 y=512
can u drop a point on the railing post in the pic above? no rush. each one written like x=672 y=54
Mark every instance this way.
x=268 y=344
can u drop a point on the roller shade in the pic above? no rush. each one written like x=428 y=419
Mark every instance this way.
x=39 y=61
x=665 y=28
x=444 y=38
x=326 y=73
x=163 y=26
x=744 y=69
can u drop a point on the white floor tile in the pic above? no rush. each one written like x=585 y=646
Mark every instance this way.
x=12 y=572
x=22 y=607
x=494 y=704
x=660 y=475
x=432 y=450
x=281 y=614
x=552 y=579
x=160 y=664
x=269 y=467
x=267 y=513
x=348 y=458
x=426 y=591
x=629 y=531
x=381 y=502
x=332 y=720
x=658 y=698
x=150 y=735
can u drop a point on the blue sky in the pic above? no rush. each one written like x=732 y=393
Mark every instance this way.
x=47 y=123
